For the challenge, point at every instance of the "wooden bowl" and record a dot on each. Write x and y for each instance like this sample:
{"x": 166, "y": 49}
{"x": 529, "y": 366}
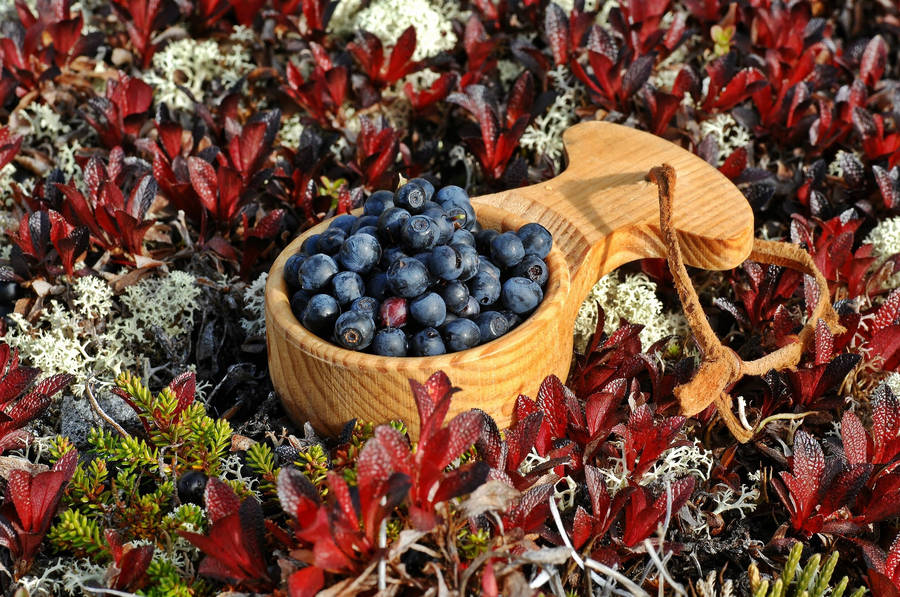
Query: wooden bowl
{"x": 602, "y": 213}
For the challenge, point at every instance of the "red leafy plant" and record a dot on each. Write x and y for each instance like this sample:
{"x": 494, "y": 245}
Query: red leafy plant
{"x": 496, "y": 136}
{"x": 119, "y": 116}
{"x": 235, "y": 543}
{"x": 128, "y": 569}
{"x": 29, "y": 507}
{"x": 323, "y": 93}
{"x": 369, "y": 53}
{"x": 117, "y": 222}
{"x": 39, "y": 234}
{"x": 141, "y": 18}
{"x": 18, "y": 408}
{"x": 376, "y": 151}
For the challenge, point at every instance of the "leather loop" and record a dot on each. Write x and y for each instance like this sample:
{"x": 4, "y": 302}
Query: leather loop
{"x": 721, "y": 367}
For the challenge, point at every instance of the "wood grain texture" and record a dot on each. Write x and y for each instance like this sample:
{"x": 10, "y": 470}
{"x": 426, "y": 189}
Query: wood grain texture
{"x": 602, "y": 213}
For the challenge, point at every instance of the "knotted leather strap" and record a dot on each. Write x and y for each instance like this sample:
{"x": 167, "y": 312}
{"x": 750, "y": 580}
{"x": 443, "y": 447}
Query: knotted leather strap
{"x": 721, "y": 367}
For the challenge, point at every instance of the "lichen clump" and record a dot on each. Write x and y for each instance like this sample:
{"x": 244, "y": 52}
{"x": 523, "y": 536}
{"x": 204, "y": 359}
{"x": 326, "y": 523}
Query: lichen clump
{"x": 632, "y": 298}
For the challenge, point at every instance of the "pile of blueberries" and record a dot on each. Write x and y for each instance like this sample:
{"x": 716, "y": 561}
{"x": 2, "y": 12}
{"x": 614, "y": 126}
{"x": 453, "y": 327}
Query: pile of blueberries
{"x": 416, "y": 275}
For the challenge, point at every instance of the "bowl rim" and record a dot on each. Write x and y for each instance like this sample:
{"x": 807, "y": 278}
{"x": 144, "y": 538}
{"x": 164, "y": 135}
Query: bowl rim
{"x": 278, "y": 311}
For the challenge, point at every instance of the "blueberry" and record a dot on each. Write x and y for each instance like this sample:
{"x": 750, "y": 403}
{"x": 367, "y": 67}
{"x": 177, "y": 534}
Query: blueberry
{"x": 533, "y": 268}
{"x": 343, "y": 222}
{"x": 292, "y": 271}
{"x": 511, "y": 317}
{"x": 486, "y": 266}
{"x": 462, "y": 236}
{"x": 420, "y": 233}
{"x": 521, "y": 295}
{"x": 445, "y": 227}
{"x": 427, "y": 343}
{"x": 191, "y": 487}
{"x": 390, "y": 342}
{"x": 366, "y": 305}
{"x": 450, "y": 317}
{"x": 507, "y": 249}
{"x": 320, "y": 314}
{"x": 485, "y": 288}
{"x": 536, "y": 239}
{"x": 426, "y": 186}
{"x": 492, "y": 325}
{"x": 378, "y": 202}
{"x": 347, "y": 287}
{"x": 360, "y": 253}
{"x": 377, "y": 285}
{"x": 411, "y": 196}
{"x": 483, "y": 240}
{"x": 469, "y": 259}
{"x": 462, "y": 216}
{"x": 455, "y": 295}
{"x": 451, "y": 193}
{"x": 354, "y": 330}
{"x": 393, "y": 312}
{"x": 299, "y": 301}
{"x": 316, "y": 271}
{"x": 391, "y": 222}
{"x": 445, "y": 262}
{"x": 331, "y": 240}
{"x": 471, "y": 310}
{"x": 424, "y": 256}
{"x": 431, "y": 206}
{"x": 363, "y": 222}
{"x": 391, "y": 254}
{"x": 309, "y": 246}
{"x": 408, "y": 277}
{"x": 370, "y": 230}
{"x": 428, "y": 309}
{"x": 461, "y": 334}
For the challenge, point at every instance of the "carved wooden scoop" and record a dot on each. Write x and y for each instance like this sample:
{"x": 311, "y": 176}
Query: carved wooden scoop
{"x": 602, "y": 213}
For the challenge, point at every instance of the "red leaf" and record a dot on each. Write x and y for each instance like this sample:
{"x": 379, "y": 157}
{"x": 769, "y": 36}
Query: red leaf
{"x": 306, "y": 582}
{"x": 856, "y": 440}
{"x": 204, "y": 181}
{"x": 221, "y": 501}
{"x": 871, "y": 67}
{"x": 298, "y": 496}
{"x": 556, "y": 28}
{"x": 401, "y": 63}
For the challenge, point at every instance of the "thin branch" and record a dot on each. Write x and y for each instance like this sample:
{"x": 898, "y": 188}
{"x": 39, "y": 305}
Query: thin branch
{"x": 101, "y": 413}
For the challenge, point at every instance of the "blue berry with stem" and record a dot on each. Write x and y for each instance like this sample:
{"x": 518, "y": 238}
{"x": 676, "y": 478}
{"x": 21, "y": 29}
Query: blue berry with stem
{"x": 426, "y": 186}
{"x": 471, "y": 310}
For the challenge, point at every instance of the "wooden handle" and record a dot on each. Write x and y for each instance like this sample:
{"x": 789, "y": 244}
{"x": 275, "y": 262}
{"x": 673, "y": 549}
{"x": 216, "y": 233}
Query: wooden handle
{"x": 603, "y": 212}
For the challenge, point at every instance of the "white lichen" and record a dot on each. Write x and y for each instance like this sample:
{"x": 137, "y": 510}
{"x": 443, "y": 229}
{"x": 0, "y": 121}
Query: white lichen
{"x": 194, "y": 65}
{"x": 835, "y": 168}
{"x": 632, "y": 298}
{"x": 290, "y": 132}
{"x": 102, "y": 335}
{"x": 885, "y": 238}
{"x": 679, "y": 461}
{"x": 255, "y": 306}
{"x": 387, "y": 19}
{"x": 727, "y": 132}
{"x": 565, "y": 489}
{"x": 709, "y": 587}
{"x": 544, "y": 135}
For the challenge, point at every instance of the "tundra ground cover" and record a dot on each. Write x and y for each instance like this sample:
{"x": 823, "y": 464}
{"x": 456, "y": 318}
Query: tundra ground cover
{"x": 155, "y": 155}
